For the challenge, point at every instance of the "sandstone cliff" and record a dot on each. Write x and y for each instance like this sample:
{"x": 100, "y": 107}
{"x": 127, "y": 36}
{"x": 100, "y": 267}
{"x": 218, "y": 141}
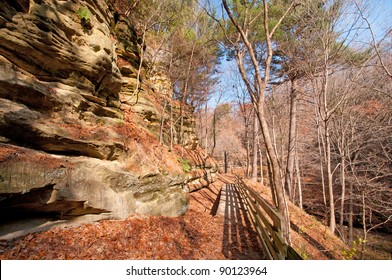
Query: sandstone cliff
{"x": 76, "y": 138}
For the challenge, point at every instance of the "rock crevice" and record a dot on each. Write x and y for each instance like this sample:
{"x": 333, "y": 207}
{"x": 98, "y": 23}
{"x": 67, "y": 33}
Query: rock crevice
{"x": 75, "y": 139}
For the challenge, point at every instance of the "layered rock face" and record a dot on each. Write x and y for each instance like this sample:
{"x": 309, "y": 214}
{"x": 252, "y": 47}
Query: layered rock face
{"x": 76, "y": 137}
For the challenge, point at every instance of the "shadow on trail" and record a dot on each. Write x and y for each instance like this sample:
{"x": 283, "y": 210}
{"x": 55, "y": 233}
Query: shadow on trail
{"x": 240, "y": 240}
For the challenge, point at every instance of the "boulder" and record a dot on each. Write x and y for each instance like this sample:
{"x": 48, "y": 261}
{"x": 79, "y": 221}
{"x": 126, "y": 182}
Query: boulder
{"x": 204, "y": 170}
{"x": 37, "y": 183}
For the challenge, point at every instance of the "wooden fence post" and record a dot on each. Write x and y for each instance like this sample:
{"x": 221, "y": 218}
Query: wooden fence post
{"x": 267, "y": 221}
{"x": 226, "y": 161}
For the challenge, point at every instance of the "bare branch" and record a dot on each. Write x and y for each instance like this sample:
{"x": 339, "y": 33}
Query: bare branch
{"x": 380, "y": 224}
{"x": 375, "y": 44}
{"x": 293, "y": 4}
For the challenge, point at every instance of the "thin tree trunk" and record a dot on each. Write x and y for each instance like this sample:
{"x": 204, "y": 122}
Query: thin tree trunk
{"x": 273, "y": 193}
{"x": 343, "y": 183}
{"x": 288, "y": 183}
{"x": 321, "y": 148}
{"x": 332, "y": 219}
{"x": 140, "y": 64}
{"x": 171, "y": 126}
{"x": 275, "y": 145}
{"x": 206, "y": 127}
{"x": 325, "y": 114}
{"x": 246, "y": 121}
{"x": 213, "y": 133}
{"x": 299, "y": 184}
{"x": 364, "y": 226}
{"x": 247, "y": 171}
{"x": 275, "y": 170}
{"x": 254, "y": 163}
{"x": 162, "y": 122}
{"x": 184, "y": 96}
{"x": 261, "y": 161}
{"x": 257, "y": 94}
{"x": 350, "y": 216}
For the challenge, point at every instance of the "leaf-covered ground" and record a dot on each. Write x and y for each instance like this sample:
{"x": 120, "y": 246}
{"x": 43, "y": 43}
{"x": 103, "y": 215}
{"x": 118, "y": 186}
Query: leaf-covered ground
{"x": 309, "y": 237}
{"x": 196, "y": 235}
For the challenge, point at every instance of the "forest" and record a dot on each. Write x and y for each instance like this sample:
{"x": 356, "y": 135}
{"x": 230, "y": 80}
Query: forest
{"x": 292, "y": 95}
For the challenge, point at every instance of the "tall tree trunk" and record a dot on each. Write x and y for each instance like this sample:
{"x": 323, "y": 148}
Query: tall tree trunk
{"x": 162, "y": 122}
{"x": 332, "y": 219}
{"x": 343, "y": 183}
{"x": 350, "y": 215}
{"x": 325, "y": 115}
{"x": 299, "y": 183}
{"x": 275, "y": 146}
{"x": 321, "y": 148}
{"x": 171, "y": 126}
{"x": 275, "y": 170}
{"x": 213, "y": 133}
{"x": 288, "y": 183}
{"x": 261, "y": 161}
{"x": 254, "y": 136}
{"x": 257, "y": 94}
{"x": 206, "y": 127}
{"x": 328, "y": 162}
{"x": 271, "y": 183}
{"x": 246, "y": 122}
{"x": 184, "y": 96}
{"x": 363, "y": 226}
{"x": 247, "y": 139}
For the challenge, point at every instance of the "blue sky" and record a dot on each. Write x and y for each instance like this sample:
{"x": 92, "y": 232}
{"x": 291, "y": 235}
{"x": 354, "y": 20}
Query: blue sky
{"x": 380, "y": 19}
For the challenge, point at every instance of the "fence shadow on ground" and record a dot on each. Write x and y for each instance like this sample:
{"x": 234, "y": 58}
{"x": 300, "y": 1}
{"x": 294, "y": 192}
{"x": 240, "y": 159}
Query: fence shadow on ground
{"x": 240, "y": 239}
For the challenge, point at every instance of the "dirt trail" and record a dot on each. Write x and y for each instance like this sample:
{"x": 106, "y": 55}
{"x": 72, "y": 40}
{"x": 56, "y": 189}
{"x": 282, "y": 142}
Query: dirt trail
{"x": 240, "y": 240}
{"x": 199, "y": 234}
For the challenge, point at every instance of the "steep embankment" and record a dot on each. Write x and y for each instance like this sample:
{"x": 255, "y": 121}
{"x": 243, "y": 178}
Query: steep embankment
{"x": 310, "y": 238}
{"x": 79, "y": 129}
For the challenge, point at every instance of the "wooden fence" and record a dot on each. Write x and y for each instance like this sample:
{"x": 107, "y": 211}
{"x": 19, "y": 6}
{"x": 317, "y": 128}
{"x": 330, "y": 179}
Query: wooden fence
{"x": 267, "y": 221}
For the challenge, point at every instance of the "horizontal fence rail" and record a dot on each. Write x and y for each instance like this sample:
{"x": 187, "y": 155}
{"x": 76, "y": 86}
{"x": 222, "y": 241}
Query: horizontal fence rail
{"x": 267, "y": 221}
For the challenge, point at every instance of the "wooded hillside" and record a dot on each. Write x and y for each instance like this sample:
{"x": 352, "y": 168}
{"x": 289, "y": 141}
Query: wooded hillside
{"x": 110, "y": 108}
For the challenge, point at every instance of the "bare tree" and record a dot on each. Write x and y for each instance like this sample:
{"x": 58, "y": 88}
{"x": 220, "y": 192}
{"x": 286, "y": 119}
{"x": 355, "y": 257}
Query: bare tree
{"x": 245, "y": 111}
{"x": 257, "y": 82}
